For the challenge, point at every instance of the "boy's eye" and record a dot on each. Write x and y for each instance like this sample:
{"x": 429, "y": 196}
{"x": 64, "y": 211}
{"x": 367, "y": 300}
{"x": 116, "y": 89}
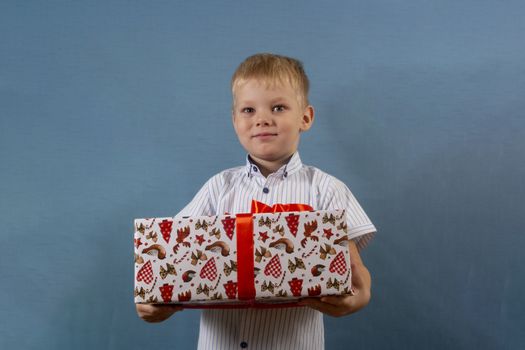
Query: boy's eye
{"x": 248, "y": 110}
{"x": 278, "y": 108}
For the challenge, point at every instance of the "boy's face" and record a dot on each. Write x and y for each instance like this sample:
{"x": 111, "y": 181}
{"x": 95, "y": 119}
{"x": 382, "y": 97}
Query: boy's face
{"x": 268, "y": 121}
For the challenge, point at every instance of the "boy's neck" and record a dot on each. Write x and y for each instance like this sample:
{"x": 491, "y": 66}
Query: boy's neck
{"x": 269, "y": 167}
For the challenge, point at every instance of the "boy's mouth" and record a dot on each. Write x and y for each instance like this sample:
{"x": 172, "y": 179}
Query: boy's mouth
{"x": 264, "y": 135}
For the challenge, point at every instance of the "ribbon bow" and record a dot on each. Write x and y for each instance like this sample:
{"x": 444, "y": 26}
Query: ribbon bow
{"x": 169, "y": 270}
{"x": 335, "y": 284}
{"x": 265, "y": 222}
{"x": 229, "y": 268}
{"x": 203, "y": 225}
{"x": 203, "y": 289}
{"x": 330, "y": 219}
{"x": 152, "y": 235}
{"x": 199, "y": 255}
{"x": 269, "y": 287}
{"x": 216, "y": 232}
{"x": 299, "y": 264}
{"x": 140, "y": 292}
{"x": 259, "y": 207}
{"x": 262, "y": 253}
{"x": 327, "y": 250}
{"x": 141, "y": 228}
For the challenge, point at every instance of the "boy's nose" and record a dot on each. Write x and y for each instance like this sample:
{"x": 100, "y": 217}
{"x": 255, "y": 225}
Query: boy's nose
{"x": 262, "y": 123}
{"x": 262, "y": 119}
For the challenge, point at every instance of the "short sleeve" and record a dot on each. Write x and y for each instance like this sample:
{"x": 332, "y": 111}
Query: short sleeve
{"x": 204, "y": 202}
{"x": 338, "y": 196}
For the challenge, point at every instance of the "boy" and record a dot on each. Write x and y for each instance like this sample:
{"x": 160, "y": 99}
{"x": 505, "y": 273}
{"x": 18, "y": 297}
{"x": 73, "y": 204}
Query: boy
{"x": 270, "y": 111}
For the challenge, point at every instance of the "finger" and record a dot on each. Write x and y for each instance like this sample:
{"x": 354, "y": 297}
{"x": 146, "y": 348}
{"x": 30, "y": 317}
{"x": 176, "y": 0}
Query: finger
{"x": 310, "y": 302}
{"x": 156, "y": 312}
{"x": 318, "y": 305}
{"x": 170, "y": 307}
{"x": 336, "y": 300}
{"x": 165, "y": 305}
{"x": 325, "y": 308}
{"x": 305, "y": 300}
{"x": 158, "y": 317}
{"x": 144, "y": 309}
{"x": 357, "y": 278}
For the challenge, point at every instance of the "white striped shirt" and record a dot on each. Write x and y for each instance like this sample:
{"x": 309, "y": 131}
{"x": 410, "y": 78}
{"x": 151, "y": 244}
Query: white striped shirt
{"x": 232, "y": 191}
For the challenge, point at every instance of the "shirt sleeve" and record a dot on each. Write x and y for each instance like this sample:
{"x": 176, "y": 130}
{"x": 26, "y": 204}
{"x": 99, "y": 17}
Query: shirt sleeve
{"x": 339, "y": 196}
{"x": 204, "y": 202}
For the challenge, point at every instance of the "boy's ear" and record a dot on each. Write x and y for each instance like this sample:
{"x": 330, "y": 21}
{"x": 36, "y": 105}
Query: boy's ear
{"x": 308, "y": 118}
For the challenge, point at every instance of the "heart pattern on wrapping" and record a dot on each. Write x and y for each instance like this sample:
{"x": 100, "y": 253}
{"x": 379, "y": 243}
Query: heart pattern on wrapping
{"x": 209, "y": 270}
{"x": 145, "y": 273}
{"x": 338, "y": 264}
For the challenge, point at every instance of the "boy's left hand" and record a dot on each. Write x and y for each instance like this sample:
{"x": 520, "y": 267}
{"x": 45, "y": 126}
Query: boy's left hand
{"x": 343, "y": 305}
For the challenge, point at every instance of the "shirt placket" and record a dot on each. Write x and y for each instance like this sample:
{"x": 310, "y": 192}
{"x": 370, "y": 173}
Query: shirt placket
{"x": 242, "y": 340}
{"x": 266, "y": 188}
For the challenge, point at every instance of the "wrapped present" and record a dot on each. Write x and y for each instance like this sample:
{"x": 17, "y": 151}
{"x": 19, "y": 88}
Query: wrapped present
{"x": 272, "y": 256}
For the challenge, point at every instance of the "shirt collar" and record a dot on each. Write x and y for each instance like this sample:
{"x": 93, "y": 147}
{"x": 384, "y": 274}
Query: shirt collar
{"x": 293, "y": 165}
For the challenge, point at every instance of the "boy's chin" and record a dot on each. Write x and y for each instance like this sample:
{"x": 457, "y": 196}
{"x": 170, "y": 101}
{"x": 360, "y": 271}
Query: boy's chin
{"x": 271, "y": 158}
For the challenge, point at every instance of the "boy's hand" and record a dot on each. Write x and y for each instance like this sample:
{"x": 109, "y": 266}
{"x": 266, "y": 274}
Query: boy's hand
{"x": 343, "y": 305}
{"x": 156, "y": 313}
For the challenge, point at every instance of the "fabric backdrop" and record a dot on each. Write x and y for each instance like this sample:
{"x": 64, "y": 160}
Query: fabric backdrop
{"x": 113, "y": 110}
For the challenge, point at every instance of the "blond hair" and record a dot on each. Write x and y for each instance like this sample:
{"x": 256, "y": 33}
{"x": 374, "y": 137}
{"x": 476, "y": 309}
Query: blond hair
{"x": 273, "y": 69}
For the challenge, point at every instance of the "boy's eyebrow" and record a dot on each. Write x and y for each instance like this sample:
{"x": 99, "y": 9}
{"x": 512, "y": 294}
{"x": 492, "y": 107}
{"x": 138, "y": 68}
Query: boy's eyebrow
{"x": 278, "y": 99}
{"x": 273, "y": 100}
{"x": 244, "y": 102}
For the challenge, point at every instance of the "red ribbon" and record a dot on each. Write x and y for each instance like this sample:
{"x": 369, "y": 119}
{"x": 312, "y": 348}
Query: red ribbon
{"x": 245, "y": 253}
{"x": 258, "y": 207}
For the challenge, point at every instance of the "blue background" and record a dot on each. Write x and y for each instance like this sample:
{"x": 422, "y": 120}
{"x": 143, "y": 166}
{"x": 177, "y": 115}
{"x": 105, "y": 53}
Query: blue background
{"x": 116, "y": 110}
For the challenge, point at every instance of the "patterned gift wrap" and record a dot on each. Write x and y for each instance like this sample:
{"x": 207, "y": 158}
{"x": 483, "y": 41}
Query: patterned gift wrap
{"x": 193, "y": 261}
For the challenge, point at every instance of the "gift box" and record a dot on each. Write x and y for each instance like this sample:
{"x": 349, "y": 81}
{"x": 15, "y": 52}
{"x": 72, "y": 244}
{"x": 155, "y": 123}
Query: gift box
{"x": 272, "y": 256}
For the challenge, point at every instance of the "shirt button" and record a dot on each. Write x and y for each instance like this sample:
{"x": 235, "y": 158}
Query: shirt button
{"x": 266, "y": 190}
{"x": 244, "y": 345}
{"x": 254, "y": 168}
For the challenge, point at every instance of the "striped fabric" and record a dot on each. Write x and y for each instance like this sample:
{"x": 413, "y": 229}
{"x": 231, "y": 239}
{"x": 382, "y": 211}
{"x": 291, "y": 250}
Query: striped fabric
{"x": 232, "y": 191}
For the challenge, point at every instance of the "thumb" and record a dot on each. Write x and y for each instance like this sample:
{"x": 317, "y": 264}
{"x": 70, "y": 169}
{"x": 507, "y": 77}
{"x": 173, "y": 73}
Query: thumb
{"x": 357, "y": 278}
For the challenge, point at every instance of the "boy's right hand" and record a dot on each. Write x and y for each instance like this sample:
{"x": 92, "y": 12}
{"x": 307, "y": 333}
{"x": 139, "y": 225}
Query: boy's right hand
{"x": 156, "y": 313}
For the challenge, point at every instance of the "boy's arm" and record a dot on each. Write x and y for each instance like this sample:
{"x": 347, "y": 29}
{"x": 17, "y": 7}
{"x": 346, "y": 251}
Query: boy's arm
{"x": 343, "y": 305}
{"x": 156, "y": 313}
